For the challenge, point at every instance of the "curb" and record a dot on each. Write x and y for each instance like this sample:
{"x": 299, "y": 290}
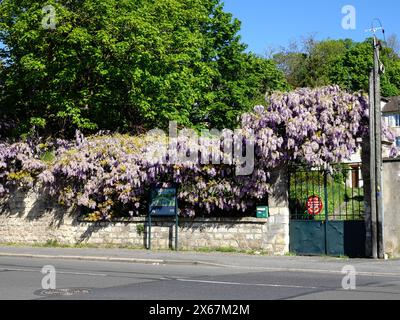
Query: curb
{"x": 109, "y": 259}
{"x": 189, "y": 262}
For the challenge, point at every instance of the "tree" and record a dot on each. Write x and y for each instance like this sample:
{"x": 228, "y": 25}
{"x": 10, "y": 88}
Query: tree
{"x": 307, "y": 64}
{"x": 341, "y": 62}
{"x": 393, "y": 43}
{"x": 351, "y": 71}
{"x": 320, "y": 59}
{"x": 241, "y": 86}
{"x": 292, "y": 62}
{"x": 127, "y": 65}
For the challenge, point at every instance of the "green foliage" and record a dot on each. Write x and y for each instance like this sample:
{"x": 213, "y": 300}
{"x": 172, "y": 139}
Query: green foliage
{"x": 38, "y": 122}
{"x": 127, "y": 65}
{"x": 352, "y": 69}
{"x": 293, "y": 64}
{"x": 19, "y": 176}
{"x": 310, "y": 65}
{"x": 230, "y": 250}
{"x": 140, "y": 229}
{"x": 322, "y": 56}
{"x": 50, "y": 243}
{"x": 47, "y": 156}
{"x": 343, "y": 202}
{"x": 340, "y": 62}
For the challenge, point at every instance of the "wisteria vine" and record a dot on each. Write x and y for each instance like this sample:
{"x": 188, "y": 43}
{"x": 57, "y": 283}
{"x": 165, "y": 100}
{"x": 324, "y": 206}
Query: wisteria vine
{"x": 110, "y": 175}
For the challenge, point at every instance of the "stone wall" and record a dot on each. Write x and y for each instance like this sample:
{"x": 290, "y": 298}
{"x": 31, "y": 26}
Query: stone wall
{"x": 33, "y": 218}
{"x": 391, "y": 207}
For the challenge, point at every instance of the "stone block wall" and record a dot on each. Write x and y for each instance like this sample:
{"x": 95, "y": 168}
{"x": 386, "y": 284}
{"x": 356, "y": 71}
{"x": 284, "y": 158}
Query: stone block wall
{"x": 34, "y": 218}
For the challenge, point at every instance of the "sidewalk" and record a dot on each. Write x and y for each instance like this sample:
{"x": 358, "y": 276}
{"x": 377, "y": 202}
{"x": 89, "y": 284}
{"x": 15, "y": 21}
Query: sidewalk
{"x": 232, "y": 260}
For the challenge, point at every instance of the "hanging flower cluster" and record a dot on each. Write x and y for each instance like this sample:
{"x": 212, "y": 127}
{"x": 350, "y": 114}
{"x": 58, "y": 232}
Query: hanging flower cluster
{"x": 316, "y": 127}
{"x": 111, "y": 174}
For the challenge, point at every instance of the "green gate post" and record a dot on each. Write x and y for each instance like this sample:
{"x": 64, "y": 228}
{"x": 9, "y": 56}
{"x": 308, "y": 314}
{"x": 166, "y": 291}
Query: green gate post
{"x": 326, "y": 210}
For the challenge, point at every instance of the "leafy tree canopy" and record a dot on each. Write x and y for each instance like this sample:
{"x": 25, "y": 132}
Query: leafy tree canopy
{"x": 341, "y": 62}
{"x": 127, "y": 65}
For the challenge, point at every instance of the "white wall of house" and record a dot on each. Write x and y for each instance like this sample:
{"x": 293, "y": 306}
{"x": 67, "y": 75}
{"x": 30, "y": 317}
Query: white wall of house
{"x": 393, "y": 121}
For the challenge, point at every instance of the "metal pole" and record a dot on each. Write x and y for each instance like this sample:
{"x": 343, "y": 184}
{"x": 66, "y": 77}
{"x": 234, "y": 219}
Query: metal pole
{"x": 149, "y": 246}
{"x": 326, "y": 210}
{"x": 176, "y": 232}
{"x": 176, "y": 223}
{"x": 378, "y": 150}
{"x": 373, "y": 215}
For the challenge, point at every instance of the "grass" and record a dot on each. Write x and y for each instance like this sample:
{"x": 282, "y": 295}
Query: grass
{"x": 56, "y": 244}
{"x": 291, "y": 254}
{"x": 230, "y": 250}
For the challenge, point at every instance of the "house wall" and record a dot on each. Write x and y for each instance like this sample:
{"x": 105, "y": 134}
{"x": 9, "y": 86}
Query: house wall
{"x": 389, "y": 119}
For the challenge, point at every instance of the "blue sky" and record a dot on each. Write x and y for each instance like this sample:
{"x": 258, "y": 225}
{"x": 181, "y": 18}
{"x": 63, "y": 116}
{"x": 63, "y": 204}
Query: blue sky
{"x": 267, "y": 23}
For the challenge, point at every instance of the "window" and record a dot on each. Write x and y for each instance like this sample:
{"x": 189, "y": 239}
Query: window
{"x": 393, "y": 120}
{"x": 397, "y": 120}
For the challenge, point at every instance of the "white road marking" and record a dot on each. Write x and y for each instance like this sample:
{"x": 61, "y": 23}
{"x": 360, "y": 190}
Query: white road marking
{"x": 248, "y": 284}
{"x": 59, "y": 272}
{"x": 212, "y": 264}
{"x": 277, "y": 269}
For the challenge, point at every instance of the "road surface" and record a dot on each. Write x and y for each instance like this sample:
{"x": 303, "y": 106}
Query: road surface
{"x": 269, "y": 279}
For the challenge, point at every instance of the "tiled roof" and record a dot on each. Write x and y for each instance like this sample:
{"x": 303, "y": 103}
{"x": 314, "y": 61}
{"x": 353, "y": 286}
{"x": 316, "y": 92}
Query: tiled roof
{"x": 393, "y": 106}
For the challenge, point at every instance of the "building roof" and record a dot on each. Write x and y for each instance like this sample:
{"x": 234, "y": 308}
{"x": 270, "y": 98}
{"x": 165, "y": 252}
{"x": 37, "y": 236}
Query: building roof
{"x": 393, "y": 106}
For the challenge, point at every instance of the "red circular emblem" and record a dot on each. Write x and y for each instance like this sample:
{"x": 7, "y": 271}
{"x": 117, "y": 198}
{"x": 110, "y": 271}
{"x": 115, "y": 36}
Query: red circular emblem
{"x": 314, "y": 205}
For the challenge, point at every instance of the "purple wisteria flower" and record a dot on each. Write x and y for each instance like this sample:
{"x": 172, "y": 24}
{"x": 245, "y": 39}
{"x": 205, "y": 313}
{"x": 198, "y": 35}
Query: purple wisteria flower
{"x": 112, "y": 174}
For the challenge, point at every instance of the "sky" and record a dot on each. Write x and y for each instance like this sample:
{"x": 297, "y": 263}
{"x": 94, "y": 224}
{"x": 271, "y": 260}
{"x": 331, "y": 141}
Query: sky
{"x": 270, "y": 24}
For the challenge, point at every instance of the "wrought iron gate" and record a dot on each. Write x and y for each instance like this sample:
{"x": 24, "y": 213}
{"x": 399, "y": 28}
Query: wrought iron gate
{"x": 337, "y": 228}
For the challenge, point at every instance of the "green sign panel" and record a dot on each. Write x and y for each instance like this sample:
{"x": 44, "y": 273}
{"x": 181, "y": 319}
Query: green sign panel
{"x": 163, "y": 202}
{"x": 262, "y": 212}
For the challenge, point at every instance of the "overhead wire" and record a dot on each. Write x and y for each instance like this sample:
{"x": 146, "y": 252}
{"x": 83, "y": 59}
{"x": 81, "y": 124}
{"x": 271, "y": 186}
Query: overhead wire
{"x": 374, "y": 30}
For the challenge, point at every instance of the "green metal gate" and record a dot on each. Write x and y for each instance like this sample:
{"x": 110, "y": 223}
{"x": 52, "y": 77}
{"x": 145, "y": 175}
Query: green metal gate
{"x": 337, "y": 227}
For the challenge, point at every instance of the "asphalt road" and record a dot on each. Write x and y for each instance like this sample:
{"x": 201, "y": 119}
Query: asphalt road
{"x": 21, "y": 278}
